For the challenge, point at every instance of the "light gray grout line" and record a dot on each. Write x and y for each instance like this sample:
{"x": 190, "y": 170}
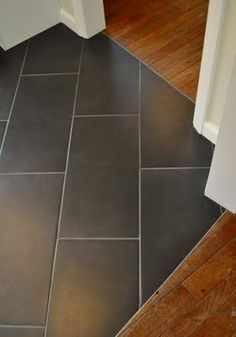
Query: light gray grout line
{"x": 96, "y": 239}
{"x": 139, "y": 188}
{"x": 149, "y": 67}
{"x": 49, "y": 74}
{"x": 3, "y": 120}
{"x": 14, "y": 98}
{"x": 63, "y": 193}
{"x": 175, "y": 168}
{"x": 30, "y": 173}
{"x": 22, "y": 326}
{"x": 106, "y": 115}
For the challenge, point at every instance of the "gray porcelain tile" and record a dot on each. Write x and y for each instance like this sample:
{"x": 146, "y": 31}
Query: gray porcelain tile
{"x": 29, "y": 208}
{"x": 101, "y": 196}
{"x": 55, "y": 50}
{"x": 21, "y": 332}
{"x": 175, "y": 216}
{"x": 2, "y": 129}
{"x": 95, "y": 288}
{"x": 10, "y": 64}
{"x": 109, "y": 79}
{"x": 168, "y": 136}
{"x": 38, "y": 132}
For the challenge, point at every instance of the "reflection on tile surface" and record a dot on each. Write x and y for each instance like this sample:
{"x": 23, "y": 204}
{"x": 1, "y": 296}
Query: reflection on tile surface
{"x": 29, "y": 207}
{"x": 92, "y": 283}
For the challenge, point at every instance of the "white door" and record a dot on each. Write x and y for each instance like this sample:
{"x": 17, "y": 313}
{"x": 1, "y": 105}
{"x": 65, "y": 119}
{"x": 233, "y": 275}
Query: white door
{"x": 22, "y": 19}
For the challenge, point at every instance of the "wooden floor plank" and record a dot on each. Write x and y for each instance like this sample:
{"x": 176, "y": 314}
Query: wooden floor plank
{"x": 219, "y": 266}
{"x": 179, "y": 67}
{"x": 221, "y": 324}
{"x": 156, "y": 30}
{"x": 145, "y": 31}
{"x": 162, "y": 314}
{"x": 205, "y": 308}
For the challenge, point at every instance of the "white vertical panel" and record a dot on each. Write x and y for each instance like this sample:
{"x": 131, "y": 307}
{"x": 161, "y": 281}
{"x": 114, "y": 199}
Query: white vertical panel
{"x": 21, "y": 19}
{"x": 221, "y": 184}
{"x": 212, "y": 40}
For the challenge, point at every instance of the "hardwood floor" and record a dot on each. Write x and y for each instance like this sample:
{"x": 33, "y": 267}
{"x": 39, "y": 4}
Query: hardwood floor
{"x": 167, "y": 35}
{"x": 199, "y": 299}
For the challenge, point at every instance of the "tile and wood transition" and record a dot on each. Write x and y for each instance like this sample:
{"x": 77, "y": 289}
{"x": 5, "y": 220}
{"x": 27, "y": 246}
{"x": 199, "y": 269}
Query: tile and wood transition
{"x": 199, "y": 298}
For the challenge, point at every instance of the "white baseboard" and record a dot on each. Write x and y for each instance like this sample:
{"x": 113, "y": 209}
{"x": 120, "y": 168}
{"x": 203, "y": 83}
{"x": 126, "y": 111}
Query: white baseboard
{"x": 210, "y": 131}
{"x": 69, "y": 21}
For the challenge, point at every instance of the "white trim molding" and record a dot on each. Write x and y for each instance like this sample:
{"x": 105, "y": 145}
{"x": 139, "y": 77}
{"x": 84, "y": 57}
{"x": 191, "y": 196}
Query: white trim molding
{"x": 212, "y": 40}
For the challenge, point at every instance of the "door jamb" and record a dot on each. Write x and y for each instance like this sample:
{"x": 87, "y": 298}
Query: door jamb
{"x": 211, "y": 48}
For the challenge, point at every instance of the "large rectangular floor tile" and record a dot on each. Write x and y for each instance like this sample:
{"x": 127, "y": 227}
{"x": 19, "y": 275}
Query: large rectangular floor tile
{"x": 29, "y": 207}
{"x": 21, "y": 332}
{"x": 109, "y": 79}
{"x": 101, "y": 196}
{"x": 168, "y": 136}
{"x": 55, "y": 50}
{"x": 10, "y": 65}
{"x": 38, "y": 132}
{"x": 175, "y": 216}
{"x": 95, "y": 289}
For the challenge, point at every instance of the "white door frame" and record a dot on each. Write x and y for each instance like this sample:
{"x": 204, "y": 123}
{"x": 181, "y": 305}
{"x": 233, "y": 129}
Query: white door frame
{"x": 212, "y": 40}
{"x": 221, "y": 184}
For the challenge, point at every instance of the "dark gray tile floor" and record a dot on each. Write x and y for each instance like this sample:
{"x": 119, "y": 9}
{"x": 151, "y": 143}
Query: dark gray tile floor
{"x": 53, "y": 51}
{"x": 102, "y": 179}
{"x": 110, "y": 75}
{"x": 37, "y": 136}
{"x": 101, "y": 185}
{"x": 11, "y": 331}
{"x": 173, "y": 223}
{"x": 29, "y": 206}
{"x": 168, "y": 138}
{"x": 2, "y": 130}
{"x": 10, "y": 65}
{"x": 92, "y": 282}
